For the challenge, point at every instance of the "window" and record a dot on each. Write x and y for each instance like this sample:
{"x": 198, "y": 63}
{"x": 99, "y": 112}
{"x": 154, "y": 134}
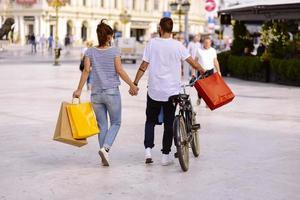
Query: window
{"x": 156, "y": 5}
{"x": 116, "y": 3}
{"x": 84, "y": 2}
{"x": 102, "y": 3}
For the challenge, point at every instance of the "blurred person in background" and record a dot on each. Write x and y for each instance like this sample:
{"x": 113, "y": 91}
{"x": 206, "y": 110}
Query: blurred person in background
{"x": 193, "y": 46}
{"x": 88, "y": 44}
{"x": 50, "y": 43}
{"x": 43, "y": 42}
{"x": 33, "y": 43}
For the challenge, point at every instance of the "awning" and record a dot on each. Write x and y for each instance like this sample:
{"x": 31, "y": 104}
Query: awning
{"x": 265, "y": 10}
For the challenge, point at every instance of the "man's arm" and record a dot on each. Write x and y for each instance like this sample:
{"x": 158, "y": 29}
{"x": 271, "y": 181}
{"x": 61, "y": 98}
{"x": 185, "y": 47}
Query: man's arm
{"x": 140, "y": 72}
{"x": 217, "y": 66}
{"x": 195, "y": 64}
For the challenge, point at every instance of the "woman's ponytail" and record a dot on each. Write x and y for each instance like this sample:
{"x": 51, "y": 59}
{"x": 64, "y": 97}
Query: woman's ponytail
{"x": 103, "y": 31}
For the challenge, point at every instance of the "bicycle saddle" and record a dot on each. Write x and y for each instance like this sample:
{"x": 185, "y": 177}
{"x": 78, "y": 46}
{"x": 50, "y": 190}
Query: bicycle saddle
{"x": 179, "y": 97}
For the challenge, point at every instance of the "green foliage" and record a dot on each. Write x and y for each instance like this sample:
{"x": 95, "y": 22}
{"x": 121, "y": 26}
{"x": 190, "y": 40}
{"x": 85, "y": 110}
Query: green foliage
{"x": 275, "y": 35}
{"x": 223, "y": 60}
{"x": 244, "y": 67}
{"x": 286, "y": 70}
{"x": 242, "y": 38}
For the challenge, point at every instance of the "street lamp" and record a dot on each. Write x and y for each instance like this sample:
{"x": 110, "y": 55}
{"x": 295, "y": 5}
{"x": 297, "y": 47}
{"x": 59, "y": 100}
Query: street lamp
{"x": 57, "y": 4}
{"x": 181, "y": 8}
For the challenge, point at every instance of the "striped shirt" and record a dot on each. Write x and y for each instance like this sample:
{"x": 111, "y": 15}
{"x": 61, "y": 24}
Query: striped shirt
{"x": 103, "y": 68}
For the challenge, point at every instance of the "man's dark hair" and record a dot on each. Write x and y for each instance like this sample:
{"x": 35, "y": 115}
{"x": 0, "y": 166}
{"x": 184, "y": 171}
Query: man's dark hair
{"x": 166, "y": 24}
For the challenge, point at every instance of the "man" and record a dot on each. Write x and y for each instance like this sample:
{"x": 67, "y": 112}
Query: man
{"x": 163, "y": 56}
{"x": 207, "y": 58}
{"x": 194, "y": 45}
{"x": 33, "y": 43}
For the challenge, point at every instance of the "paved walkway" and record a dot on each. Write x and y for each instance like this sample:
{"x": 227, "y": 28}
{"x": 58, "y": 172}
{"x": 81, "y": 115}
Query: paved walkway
{"x": 15, "y": 54}
{"x": 249, "y": 149}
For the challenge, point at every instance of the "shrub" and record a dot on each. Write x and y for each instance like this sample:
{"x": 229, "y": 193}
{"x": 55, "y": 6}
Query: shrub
{"x": 286, "y": 71}
{"x": 223, "y": 61}
{"x": 249, "y": 68}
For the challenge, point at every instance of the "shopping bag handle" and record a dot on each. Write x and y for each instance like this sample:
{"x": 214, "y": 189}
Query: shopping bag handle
{"x": 76, "y": 98}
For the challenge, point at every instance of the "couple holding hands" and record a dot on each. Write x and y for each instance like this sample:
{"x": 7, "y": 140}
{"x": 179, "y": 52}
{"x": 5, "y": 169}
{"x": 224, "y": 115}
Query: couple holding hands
{"x": 163, "y": 57}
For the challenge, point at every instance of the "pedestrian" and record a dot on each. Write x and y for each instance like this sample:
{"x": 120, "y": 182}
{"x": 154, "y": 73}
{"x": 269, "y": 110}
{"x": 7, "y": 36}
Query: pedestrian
{"x": 67, "y": 43}
{"x": 207, "y": 58}
{"x": 193, "y": 46}
{"x": 88, "y": 44}
{"x": 37, "y": 41}
{"x": 50, "y": 43}
{"x": 106, "y": 66}
{"x": 43, "y": 42}
{"x": 33, "y": 43}
{"x": 163, "y": 56}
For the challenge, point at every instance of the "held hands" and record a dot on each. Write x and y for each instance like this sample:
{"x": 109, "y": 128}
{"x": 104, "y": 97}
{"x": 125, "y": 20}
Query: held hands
{"x": 133, "y": 91}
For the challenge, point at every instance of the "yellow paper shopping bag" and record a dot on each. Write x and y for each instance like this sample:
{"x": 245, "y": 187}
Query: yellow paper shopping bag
{"x": 63, "y": 131}
{"x": 82, "y": 120}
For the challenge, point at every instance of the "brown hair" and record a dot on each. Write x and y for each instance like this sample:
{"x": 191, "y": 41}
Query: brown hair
{"x": 166, "y": 24}
{"x": 103, "y": 31}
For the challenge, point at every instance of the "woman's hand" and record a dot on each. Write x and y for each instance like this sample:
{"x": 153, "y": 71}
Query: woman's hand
{"x": 77, "y": 93}
{"x": 133, "y": 90}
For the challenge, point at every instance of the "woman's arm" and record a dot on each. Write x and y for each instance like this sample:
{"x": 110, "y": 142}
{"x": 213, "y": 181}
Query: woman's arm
{"x": 124, "y": 76}
{"x": 84, "y": 76}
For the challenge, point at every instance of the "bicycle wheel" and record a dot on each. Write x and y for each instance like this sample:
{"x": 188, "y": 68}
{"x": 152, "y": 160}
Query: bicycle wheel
{"x": 195, "y": 143}
{"x": 182, "y": 146}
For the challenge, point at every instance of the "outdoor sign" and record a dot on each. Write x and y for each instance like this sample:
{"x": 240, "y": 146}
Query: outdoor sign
{"x": 26, "y": 2}
{"x": 211, "y": 9}
{"x": 166, "y": 14}
{"x": 210, "y": 5}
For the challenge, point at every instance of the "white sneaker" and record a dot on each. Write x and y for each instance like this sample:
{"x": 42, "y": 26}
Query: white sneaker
{"x": 148, "y": 156}
{"x": 104, "y": 157}
{"x": 166, "y": 159}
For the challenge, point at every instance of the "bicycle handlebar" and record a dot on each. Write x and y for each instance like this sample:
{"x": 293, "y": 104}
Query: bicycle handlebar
{"x": 193, "y": 81}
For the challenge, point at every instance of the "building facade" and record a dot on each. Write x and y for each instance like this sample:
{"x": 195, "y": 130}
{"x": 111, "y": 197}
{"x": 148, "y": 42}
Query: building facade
{"x": 79, "y": 18}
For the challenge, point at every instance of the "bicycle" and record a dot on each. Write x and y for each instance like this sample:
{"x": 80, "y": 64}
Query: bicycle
{"x": 185, "y": 128}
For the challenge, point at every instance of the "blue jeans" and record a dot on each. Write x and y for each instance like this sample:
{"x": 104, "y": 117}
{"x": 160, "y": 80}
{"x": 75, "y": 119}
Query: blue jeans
{"x": 105, "y": 102}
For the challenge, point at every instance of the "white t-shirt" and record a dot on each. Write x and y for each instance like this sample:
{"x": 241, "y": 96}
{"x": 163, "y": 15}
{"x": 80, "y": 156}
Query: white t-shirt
{"x": 206, "y": 57}
{"x": 164, "y": 57}
{"x": 193, "y": 47}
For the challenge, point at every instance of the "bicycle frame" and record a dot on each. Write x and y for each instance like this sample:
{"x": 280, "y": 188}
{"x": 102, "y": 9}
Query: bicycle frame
{"x": 184, "y": 108}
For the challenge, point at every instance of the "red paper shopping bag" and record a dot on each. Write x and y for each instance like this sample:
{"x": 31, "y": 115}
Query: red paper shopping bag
{"x": 214, "y": 91}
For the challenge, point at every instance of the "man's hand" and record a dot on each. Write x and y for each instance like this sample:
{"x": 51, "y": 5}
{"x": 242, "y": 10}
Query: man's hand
{"x": 202, "y": 71}
{"x": 77, "y": 93}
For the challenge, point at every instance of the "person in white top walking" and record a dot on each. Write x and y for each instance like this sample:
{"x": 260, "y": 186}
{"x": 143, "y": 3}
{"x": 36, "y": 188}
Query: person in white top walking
{"x": 163, "y": 57}
{"x": 194, "y": 45}
{"x": 207, "y": 58}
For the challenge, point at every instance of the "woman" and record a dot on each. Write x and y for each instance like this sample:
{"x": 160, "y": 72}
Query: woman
{"x": 106, "y": 69}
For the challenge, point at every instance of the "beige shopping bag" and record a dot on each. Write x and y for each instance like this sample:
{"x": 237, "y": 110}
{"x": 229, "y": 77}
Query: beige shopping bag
{"x": 63, "y": 132}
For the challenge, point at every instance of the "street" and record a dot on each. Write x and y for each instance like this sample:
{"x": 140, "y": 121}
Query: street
{"x": 250, "y": 148}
